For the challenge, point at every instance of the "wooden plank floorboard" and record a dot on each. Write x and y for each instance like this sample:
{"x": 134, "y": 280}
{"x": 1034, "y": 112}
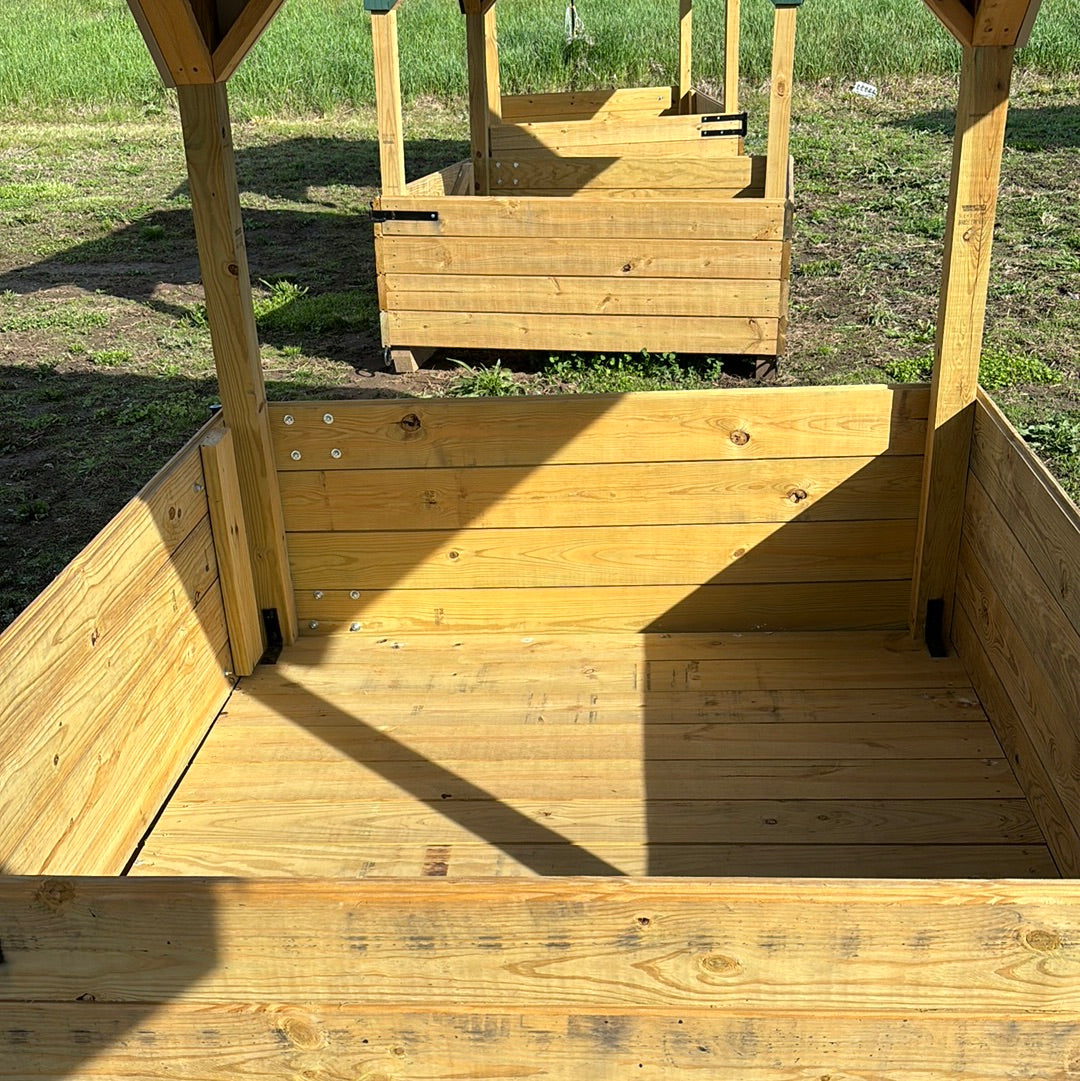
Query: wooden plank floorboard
{"x": 699, "y": 755}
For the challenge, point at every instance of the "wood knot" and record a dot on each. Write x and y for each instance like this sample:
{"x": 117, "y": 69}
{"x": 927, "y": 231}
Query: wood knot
{"x": 54, "y": 893}
{"x": 410, "y": 423}
{"x": 797, "y": 495}
{"x": 1042, "y": 941}
{"x": 740, "y": 438}
{"x": 716, "y": 964}
{"x": 453, "y": 554}
{"x": 302, "y": 1034}
{"x": 627, "y": 267}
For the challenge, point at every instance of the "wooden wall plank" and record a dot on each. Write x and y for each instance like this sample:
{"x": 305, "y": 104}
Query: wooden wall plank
{"x": 961, "y": 950}
{"x": 676, "y": 609}
{"x": 780, "y": 91}
{"x": 509, "y": 330}
{"x": 603, "y": 104}
{"x": 573, "y": 137}
{"x": 654, "y": 297}
{"x": 617, "y": 258}
{"x": 292, "y": 1038}
{"x": 634, "y": 555}
{"x": 807, "y": 422}
{"x": 456, "y": 179}
{"x": 215, "y": 202}
{"x": 973, "y": 188}
{"x": 780, "y": 490}
{"x": 500, "y": 215}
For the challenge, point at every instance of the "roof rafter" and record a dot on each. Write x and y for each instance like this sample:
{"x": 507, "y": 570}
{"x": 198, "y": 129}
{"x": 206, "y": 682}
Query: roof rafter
{"x": 956, "y": 17}
{"x": 175, "y": 39}
{"x": 252, "y": 19}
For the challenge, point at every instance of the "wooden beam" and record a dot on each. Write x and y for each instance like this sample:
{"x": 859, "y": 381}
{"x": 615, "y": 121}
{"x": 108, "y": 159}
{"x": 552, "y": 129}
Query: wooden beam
{"x": 980, "y": 134}
{"x": 232, "y": 551}
{"x": 485, "y": 108}
{"x": 215, "y": 204}
{"x": 384, "y": 44}
{"x": 783, "y": 66}
{"x": 249, "y": 24}
{"x": 1028, "y": 23}
{"x": 686, "y": 86}
{"x": 731, "y": 56}
{"x": 999, "y": 22}
{"x": 956, "y": 17}
{"x": 175, "y": 39}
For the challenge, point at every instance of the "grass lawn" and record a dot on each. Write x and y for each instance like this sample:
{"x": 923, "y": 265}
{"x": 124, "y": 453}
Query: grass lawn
{"x": 105, "y": 364}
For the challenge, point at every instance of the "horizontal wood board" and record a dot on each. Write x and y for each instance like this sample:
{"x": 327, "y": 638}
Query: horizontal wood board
{"x": 111, "y": 677}
{"x": 1018, "y": 616}
{"x": 645, "y": 754}
{"x": 766, "y": 517}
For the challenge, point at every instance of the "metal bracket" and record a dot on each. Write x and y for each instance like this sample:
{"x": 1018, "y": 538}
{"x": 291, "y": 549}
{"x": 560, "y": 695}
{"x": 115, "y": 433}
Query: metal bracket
{"x": 935, "y": 627}
{"x": 274, "y": 640}
{"x": 379, "y": 216}
{"x": 738, "y": 119}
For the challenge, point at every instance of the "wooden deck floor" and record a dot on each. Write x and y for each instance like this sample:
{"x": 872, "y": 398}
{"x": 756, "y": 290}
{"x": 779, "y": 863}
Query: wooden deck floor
{"x": 842, "y": 754}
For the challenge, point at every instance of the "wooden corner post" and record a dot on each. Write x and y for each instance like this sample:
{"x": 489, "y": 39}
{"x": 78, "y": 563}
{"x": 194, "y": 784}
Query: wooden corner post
{"x": 485, "y": 95}
{"x": 686, "y": 53}
{"x": 780, "y": 86}
{"x": 732, "y": 22}
{"x": 384, "y": 49}
{"x": 215, "y": 204}
{"x": 980, "y": 134}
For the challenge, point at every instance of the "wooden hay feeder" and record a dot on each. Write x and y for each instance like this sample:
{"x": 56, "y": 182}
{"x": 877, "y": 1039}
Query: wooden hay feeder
{"x": 603, "y": 220}
{"x": 593, "y": 737}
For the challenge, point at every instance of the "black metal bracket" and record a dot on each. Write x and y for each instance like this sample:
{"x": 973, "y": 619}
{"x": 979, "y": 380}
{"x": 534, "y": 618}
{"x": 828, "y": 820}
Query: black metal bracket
{"x": 935, "y": 627}
{"x": 274, "y": 640}
{"x": 739, "y": 119}
{"x": 379, "y": 216}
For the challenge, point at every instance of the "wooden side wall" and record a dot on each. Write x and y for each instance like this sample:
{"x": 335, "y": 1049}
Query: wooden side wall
{"x": 110, "y": 678}
{"x": 1017, "y": 621}
{"x": 715, "y": 510}
{"x": 557, "y": 980}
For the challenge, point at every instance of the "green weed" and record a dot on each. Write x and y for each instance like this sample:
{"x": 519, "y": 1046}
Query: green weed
{"x": 620, "y": 373}
{"x": 999, "y": 369}
{"x": 481, "y": 382}
{"x": 908, "y": 369}
{"x": 110, "y": 358}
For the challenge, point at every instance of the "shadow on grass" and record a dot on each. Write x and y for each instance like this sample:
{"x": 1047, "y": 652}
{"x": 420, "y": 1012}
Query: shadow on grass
{"x": 1051, "y": 127}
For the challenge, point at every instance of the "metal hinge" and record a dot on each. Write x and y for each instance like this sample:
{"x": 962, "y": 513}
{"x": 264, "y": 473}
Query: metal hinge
{"x": 378, "y": 216}
{"x": 738, "y": 119}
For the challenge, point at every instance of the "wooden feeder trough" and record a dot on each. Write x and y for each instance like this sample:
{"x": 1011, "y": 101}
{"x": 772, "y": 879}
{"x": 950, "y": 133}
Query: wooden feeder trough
{"x": 603, "y": 220}
{"x": 585, "y": 737}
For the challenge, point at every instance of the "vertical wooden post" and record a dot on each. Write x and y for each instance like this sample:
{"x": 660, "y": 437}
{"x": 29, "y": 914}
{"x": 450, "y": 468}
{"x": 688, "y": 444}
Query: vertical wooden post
{"x": 231, "y": 549}
{"x": 485, "y": 100}
{"x": 384, "y": 47}
{"x": 686, "y": 52}
{"x": 731, "y": 56}
{"x": 783, "y": 69}
{"x": 977, "y": 145}
{"x": 215, "y": 204}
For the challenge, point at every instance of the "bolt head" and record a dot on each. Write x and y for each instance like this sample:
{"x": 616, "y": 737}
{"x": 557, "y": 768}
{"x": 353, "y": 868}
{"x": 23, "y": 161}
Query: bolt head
{"x": 336, "y": 452}
{"x": 328, "y": 418}
{"x": 289, "y": 418}
{"x": 295, "y": 455}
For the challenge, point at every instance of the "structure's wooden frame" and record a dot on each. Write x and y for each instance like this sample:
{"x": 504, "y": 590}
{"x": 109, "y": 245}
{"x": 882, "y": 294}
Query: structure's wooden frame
{"x": 112, "y": 678}
{"x": 602, "y": 153}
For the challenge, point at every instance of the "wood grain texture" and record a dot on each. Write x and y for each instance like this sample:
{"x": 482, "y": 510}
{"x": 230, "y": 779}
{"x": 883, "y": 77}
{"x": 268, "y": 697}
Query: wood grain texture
{"x": 604, "y": 104}
{"x": 384, "y": 45}
{"x": 773, "y": 490}
{"x": 215, "y": 202}
{"x": 780, "y": 91}
{"x": 652, "y": 427}
{"x": 173, "y": 35}
{"x": 973, "y": 188}
{"x": 732, "y": 13}
{"x": 686, "y": 53}
{"x": 964, "y": 950}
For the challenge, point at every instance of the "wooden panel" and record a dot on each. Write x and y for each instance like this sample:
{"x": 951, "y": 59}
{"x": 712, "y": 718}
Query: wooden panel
{"x": 811, "y": 606}
{"x": 603, "y": 555}
{"x": 623, "y": 103}
{"x": 826, "y": 489}
{"x": 653, "y": 297}
{"x": 286, "y": 1040}
{"x": 961, "y": 950}
{"x": 659, "y": 334}
{"x": 502, "y": 215}
{"x": 616, "y": 258}
{"x": 726, "y": 176}
{"x": 698, "y": 425}
{"x": 575, "y": 136}
{"x": 455, "y": 179}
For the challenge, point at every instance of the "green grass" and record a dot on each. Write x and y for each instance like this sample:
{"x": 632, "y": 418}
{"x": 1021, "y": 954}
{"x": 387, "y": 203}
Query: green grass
{"x": 316, "y": 55}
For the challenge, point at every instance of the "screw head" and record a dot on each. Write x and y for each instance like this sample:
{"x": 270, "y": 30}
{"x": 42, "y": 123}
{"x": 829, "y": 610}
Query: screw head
{"x": 335, "y": 453}
{"x": 295, "y": 455}
{"x": 354, "y": 594}
{"x": 328, "y": 418}
{"x": 354, "y": 627}
{"x": 289, "y": 418}
{"x": 313, "y": 624}
{"x": 318, "y": 594}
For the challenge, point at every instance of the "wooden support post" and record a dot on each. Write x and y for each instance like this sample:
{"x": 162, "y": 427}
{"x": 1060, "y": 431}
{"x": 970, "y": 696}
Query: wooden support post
{"x": 384, "y": 47}
{"x": 783, "y": 68}
{"x": 215, "y": 204}
{"x": 485, "y": 98}
{"x": 980, "y": 135}
{"x": 231, "y": 548}
{"x": 686, "y": 86}
{"x": 731, "y": 56}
